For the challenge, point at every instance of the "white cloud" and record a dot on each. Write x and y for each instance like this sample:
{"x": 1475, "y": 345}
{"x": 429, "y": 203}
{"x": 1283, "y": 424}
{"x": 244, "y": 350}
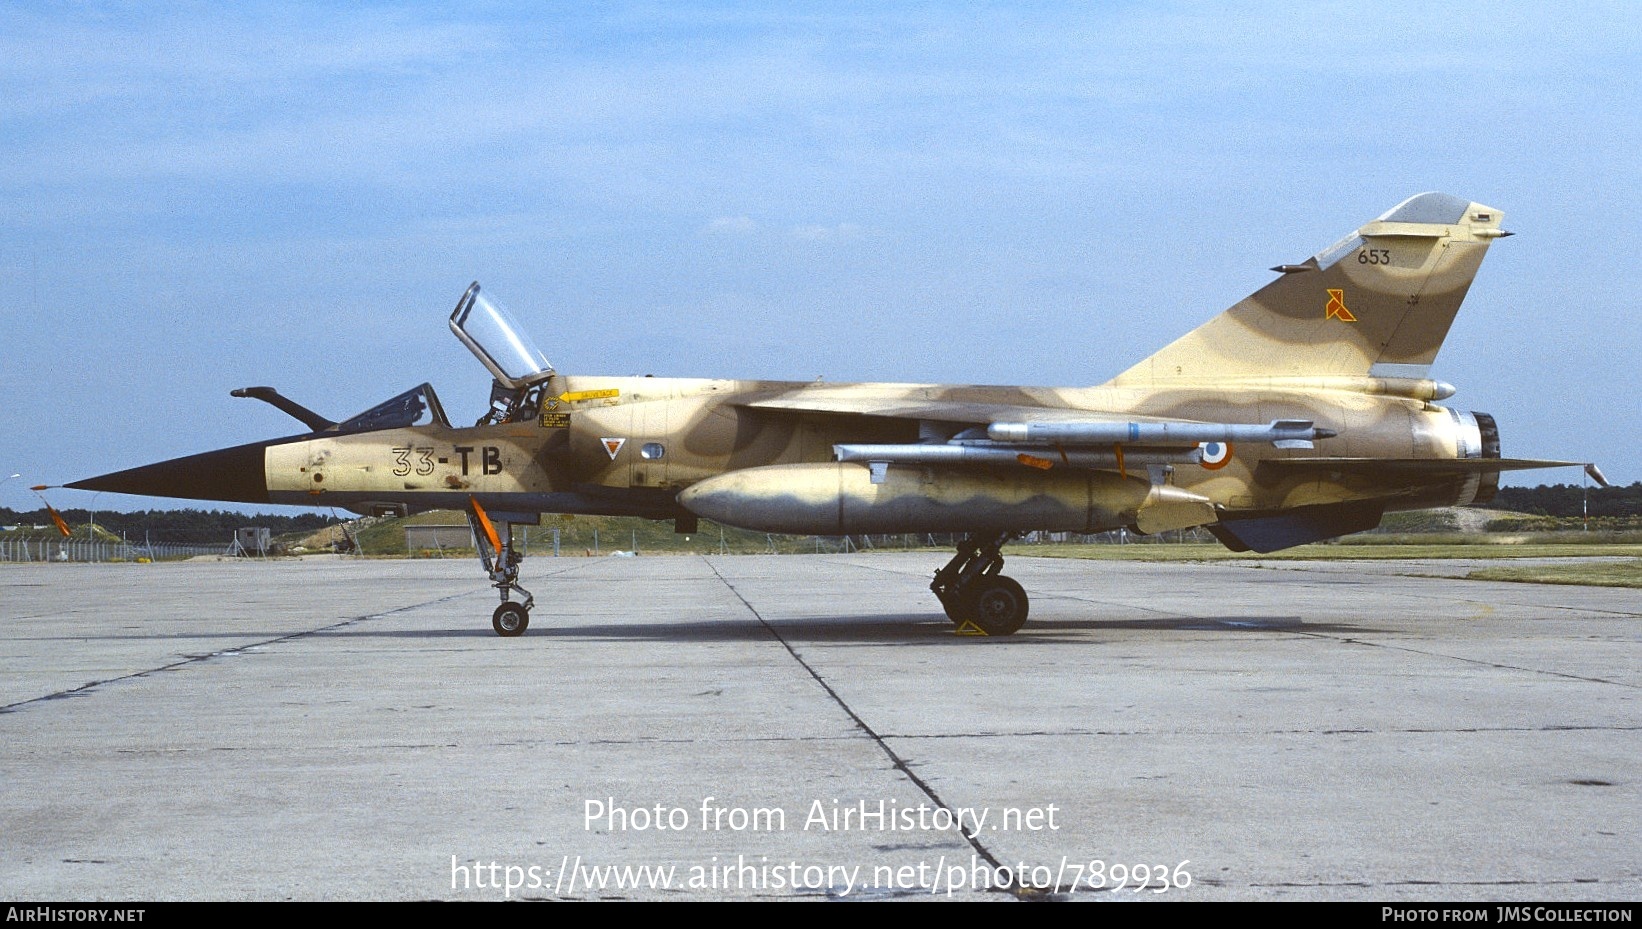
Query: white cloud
{"x": 732, "y": 225}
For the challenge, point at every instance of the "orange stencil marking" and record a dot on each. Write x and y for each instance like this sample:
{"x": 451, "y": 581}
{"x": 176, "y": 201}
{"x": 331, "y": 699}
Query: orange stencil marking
{"x": 484, "y": 523}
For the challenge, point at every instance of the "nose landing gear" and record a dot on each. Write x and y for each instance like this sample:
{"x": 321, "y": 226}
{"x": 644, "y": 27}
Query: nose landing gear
{"x": 501, "y": 561}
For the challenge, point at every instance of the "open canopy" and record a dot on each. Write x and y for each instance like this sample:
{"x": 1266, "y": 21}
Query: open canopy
{"x": 497, "y": 340}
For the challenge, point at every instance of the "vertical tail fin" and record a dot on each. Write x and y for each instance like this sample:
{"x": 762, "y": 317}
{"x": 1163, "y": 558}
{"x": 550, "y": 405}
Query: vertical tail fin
{"x": 1380, "y": 301}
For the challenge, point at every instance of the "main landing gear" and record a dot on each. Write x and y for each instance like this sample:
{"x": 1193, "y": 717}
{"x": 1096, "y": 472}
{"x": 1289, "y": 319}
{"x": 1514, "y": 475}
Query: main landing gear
{"x": 501, "y": 561}
{"x": 972, "y": 590}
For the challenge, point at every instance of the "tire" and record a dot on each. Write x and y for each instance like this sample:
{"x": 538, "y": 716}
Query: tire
{"x": 510, "y": 619}
{"x": 998, "y": 605}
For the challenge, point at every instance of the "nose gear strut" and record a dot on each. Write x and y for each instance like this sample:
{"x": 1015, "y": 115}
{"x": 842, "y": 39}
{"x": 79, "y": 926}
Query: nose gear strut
{"x": 501, "y": 561}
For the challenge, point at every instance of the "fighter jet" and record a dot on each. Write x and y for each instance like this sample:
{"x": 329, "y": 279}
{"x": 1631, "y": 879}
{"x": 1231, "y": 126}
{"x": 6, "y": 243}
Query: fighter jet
{"x": 1304, "y": 412}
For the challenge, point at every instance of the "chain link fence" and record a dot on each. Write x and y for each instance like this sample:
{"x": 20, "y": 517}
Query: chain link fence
{"x": 46, "y": 548}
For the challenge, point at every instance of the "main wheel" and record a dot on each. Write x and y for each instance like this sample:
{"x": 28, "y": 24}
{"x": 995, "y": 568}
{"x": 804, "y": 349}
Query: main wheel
{"x": 997, "y": 604}
{"x": 510, "y": 619}
{"x": 954, "y": 607}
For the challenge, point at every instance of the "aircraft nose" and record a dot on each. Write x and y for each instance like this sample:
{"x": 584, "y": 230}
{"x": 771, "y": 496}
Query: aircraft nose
{"x": 235, "y": 475}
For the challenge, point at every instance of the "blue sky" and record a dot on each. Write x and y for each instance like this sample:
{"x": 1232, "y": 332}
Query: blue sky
{"x": 204, "y": 197}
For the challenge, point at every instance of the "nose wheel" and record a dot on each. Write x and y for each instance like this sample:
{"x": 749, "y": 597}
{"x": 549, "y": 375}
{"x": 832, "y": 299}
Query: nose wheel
{"x": 510, "y": 619}
{"x": 975, "y": 596}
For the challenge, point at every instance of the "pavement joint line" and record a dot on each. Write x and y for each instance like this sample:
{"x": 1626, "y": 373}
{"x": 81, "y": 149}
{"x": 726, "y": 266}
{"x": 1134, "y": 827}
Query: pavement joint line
{"x": 1625, "y": 614}
{"x": 1152, "y": 733}
{"x": 1352, "y": 640}
{"x": 1348, "y": 639}
{"x": 1039, "y": 733}
{"x": 90, "y": 686}
{"x": 897, "y": 761}
{"x": 1545, "y": 782}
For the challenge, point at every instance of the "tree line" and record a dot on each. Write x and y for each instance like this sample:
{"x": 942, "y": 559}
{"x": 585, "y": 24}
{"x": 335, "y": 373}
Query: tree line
{"x": 1569, "y": 500}
{"x": 172, "y": 525}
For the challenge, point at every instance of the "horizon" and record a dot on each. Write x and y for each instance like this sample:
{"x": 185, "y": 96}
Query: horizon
{"x": 295, "y": 195}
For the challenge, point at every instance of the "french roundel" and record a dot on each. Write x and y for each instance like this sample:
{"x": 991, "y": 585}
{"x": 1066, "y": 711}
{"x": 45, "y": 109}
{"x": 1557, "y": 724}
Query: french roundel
{"x": 1216, "y": 455}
